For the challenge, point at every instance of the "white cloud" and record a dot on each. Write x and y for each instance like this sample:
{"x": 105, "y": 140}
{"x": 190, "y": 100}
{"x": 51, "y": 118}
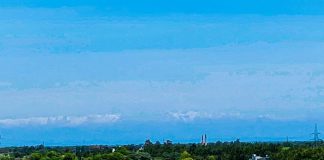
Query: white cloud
{"x": 189, "y": 115}
{"x": 61, "y": 120}
{"x": 146, "y": 92}
{"x": 193, "y": 115}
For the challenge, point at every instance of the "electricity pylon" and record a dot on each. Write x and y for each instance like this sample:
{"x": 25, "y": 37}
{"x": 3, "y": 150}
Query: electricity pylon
{"x": 316, "y": 135}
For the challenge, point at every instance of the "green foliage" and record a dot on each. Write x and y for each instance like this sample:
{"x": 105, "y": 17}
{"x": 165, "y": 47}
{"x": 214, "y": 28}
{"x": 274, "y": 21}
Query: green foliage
{"x": 185, "y": 155}
{"x": 5, "y": 157}
{"x": 69, "y": 156}
{"x": 140, "y": 156}
{"x": 122, "y": 150}
{"x": 35, "y": 156}
{"x": 110, "y": 156}
{"x": 213, "y": 151}
{"x": 211, "y": 158}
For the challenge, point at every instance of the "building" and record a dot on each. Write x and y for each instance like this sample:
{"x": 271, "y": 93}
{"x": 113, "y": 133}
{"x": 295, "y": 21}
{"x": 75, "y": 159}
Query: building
{"x": 168, "y": 142}
{"x": 203, "y": 140}
{"x": 148, "y": 142}
{"x": 255, "y": 157}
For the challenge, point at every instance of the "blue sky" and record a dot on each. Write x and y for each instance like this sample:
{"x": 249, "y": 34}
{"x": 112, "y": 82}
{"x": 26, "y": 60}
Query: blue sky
{"x": 91, "y": 69}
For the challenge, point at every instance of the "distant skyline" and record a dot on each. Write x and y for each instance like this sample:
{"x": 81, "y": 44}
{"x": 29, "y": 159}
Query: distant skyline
{"x": 103, "y": 70}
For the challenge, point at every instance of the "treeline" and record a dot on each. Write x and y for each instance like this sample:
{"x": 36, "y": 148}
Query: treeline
{"x": 235, "y": 150}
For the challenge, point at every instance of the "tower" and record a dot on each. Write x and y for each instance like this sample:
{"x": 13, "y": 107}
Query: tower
{"x": 203, "y": 140}
{"x": 316, "y": 135}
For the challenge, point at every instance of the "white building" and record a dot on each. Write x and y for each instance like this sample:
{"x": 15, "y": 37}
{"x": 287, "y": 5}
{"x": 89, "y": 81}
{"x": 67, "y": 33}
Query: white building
{"x": 255, "y": 157}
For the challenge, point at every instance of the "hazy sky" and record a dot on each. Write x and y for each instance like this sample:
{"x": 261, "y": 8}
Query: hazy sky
{"x": 197, "y": 64}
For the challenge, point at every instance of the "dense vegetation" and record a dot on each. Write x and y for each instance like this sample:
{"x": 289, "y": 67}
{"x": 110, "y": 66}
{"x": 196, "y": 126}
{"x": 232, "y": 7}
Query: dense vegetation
{"x": 213, "y": 151}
